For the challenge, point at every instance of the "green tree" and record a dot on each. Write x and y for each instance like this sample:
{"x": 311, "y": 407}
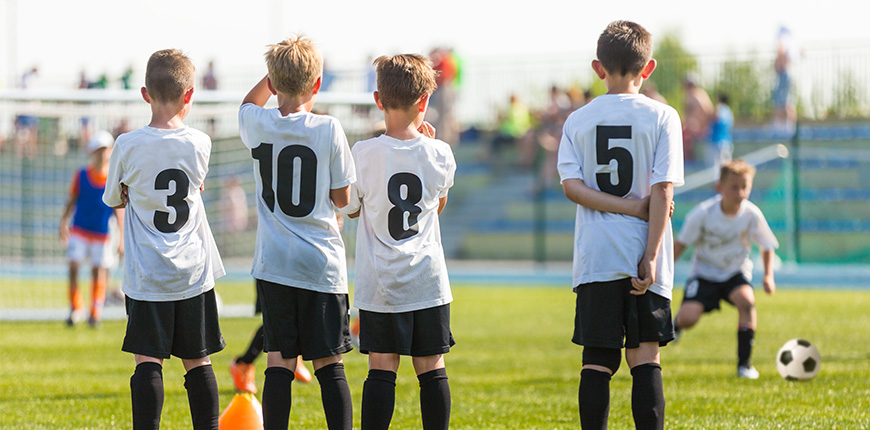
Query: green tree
{"x": 674, "y": 61}
{"x": 741, "y": 82}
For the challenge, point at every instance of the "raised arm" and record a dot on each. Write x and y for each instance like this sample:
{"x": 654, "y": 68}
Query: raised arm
{"x": 260, "y": 94}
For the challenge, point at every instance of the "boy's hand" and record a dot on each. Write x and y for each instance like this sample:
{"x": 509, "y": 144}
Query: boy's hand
{"x": 769, "y": 284}
{"x": 121, "y": 248}
{"x": 125, "y": 197}
{"x": 646, "y": 270}
{"x": 427, "y": 129}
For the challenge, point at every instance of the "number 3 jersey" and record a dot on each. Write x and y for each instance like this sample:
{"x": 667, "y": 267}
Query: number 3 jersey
{"x": 400, "y": 263}
{"x": 621, "y": 144}
{"x": 170, "y": 253}
{"x": 298, "y": 159}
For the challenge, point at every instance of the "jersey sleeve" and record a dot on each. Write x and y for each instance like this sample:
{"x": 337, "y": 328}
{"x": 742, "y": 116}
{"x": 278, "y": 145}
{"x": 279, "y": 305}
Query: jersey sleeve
{"x": 668, "y": 157}
{"x": 450, "y": 173}
{"x": 761, "y": 234}
{"x": 570, "y": 161}
{"x": 247, "y": 116}
{"x": 112, "y": 193}
{"x": 341, "y": 167}
{"x": 691, "y": 231}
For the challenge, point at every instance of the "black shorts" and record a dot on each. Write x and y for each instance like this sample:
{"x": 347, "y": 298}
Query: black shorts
{"x": 710, "y": 293}
{"x": 418, "y": 333}
{"x": 304, "y": 322}
{"x": 187, "y": 329}
{"x": 609, "y": 316}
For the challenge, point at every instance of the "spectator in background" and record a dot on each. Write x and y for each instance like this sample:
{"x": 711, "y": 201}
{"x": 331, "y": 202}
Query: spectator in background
{"x": 513, "y": 129}
{"x": 441, "y": 113}
{"x": 127, "y": 78}
{"x": 549, "y": 133}
{"x": 785, "y": 112}
{"x": 209, "y": 80}
{"x": 698, "y": 113}
{"x": 651, "y": 90}
{"x": 721, "y": 142}
{"x": 27, "y": 125}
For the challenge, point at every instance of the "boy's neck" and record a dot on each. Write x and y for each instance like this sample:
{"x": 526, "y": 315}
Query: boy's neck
{"x": 729, "y": 209}
{"x": 403, "y": 124}
{"x": 288, "y": 105}
{"x": 625, "y": 84}
{"x": 168, "y": 115}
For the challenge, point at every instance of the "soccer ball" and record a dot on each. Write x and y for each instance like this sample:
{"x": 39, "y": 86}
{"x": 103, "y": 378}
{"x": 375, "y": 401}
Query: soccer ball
{"x": 798, "y": 360}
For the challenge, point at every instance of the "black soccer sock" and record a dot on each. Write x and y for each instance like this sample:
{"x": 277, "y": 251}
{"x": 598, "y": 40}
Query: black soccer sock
{"x": 435, "y": 399}
{"x": 255, "y": 349}
{"x": 745, "y": 340}
{"x": 335, "y": 394}
{"x": 202, "y": 395}
{"x": 379, "y": 399}
{"x": 277, "y": 398}
{"x": 647, "y": 397}
{"x": 146, "y": 389}
{"x": 594, "y": 399}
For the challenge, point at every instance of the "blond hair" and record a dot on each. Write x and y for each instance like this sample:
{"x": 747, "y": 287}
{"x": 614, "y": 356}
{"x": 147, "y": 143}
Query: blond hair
{"x": 294, "y": 65}
{"x": 403, "y": 79}
{"x": 624, "y": 48}
{"x": 168, "y": 75}
{"x": 736, "y": 167}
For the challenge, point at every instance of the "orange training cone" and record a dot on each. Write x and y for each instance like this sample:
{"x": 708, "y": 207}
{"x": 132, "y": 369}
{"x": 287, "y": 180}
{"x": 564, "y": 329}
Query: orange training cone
{"x": 243, "y": 413}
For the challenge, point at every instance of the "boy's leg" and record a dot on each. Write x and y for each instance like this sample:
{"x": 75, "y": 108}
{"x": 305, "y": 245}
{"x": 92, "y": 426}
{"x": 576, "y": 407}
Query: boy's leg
{"x": 99, "y": 277}
{"x": 334, "y": 392}
{"x": 647, "y": 392}
{"x": 202, "y": 393}
{"x": 75, "y": 295}
{"x": 434, "y": 391}
{"x": 379, "y": 391}
{"x": 743, "y": 299}
{"x": 599, "y": 364}
{"x": 277, "y": 391}
{"x": 146, "y": 392}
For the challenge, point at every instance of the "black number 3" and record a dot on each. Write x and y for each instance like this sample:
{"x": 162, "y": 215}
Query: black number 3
{"x": 624, "y": 162}
{"x": 175, "y": 200}
{"x": 396, "y": 217}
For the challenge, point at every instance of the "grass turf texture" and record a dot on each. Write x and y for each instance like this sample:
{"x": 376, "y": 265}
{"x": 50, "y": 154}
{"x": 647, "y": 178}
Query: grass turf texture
{"x": 513, "y": 368}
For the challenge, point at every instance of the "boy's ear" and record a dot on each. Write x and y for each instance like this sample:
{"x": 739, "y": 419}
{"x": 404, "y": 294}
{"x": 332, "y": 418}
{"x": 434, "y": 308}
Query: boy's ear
{"x": 648, "y": 69}
{"x": 271, "y": 87}
{"x": 145, "y": 95}
{"x": 423, "y": 103}
{"x": 378, "y": 100}
{"x": 188, "y": 95}
{"x": 318, "y": 84}
{"x": 599, "y": 69}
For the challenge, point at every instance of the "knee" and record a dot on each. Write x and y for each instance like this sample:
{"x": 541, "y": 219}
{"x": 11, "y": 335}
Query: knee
{"x": 609, "y": 358}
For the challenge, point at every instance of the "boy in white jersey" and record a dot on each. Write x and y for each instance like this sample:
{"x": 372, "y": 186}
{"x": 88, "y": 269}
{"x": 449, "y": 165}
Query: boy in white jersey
{"x": 722, "y": 230}
{"x": 401, "y": 285}
{"x": 627, "y": 146}
{"x": 302, "y": 166}
{"x": 171, "y": 259}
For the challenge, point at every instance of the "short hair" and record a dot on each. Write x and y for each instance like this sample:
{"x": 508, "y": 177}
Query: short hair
{"x": 294, "y": 65}
{"x": 168, "y": 74}
{"x": 736, "y": 167}
{"x": 624, "y": 47}
{"x": 403, "y": 79}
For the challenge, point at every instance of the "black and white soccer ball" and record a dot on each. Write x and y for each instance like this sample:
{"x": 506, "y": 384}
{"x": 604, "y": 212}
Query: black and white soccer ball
{"x": 798, "y": 359}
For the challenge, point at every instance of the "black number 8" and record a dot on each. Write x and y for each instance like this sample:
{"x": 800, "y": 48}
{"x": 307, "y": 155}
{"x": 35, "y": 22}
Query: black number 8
{"x": 175, "y": 200}
{"x": 624, "y": 162}
{"x": 396, "y": 217}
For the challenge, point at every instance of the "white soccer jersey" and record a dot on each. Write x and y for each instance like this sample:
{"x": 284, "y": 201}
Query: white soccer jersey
{"x": 170, "y": 253}
{"x": 722, "y": 242}
{"x": 297, "y": 159}
{"x": 621, "y": 144}
{"x": 400, "y": 263}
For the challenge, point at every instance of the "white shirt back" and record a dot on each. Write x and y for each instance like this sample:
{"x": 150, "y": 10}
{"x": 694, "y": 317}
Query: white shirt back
{"x": 298, "y": 159}
{"x": 621, "y": 144}
{"x": 400, "y": 263}
{"x": 723, "y": 242}
{"x": 170, "y": 253}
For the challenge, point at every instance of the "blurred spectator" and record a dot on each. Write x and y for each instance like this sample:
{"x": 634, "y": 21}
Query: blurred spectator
{"x": 785, "y": 112}
{"x": 514, "y": 126}
{"x": 234, "y": 206}
{"x": 209, "y": 80}
{"x": 441, "y": 113}
{"x": 27, "y": 125}
{"x": 651, "y": 90}
{"x": 721, "y": 142}
{"x": 127, "y": 78}
{"x": 697, "y": 114}
{"x": 101, "y": 83}
{"x": 549, "y": 133}
{"x": 83, "y": 80}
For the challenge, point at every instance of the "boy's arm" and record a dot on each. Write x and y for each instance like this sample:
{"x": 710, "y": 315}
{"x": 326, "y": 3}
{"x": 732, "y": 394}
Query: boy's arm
{"x": 661, "y": 196}
{"x": 441, "y": 203}
{"x": 67, "y": 213}
{"x": 260, "y": 94}
{"x": 577, "y": 191}
{"x": 679, "y": 247}
{"x": 767, "y": 256}
{"x": 340, "y": 196}
{"x": 119, "y": 216}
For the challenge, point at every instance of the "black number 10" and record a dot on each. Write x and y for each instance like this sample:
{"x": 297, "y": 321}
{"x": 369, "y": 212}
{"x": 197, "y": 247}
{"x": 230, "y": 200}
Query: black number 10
{"x": 286, "y": 184}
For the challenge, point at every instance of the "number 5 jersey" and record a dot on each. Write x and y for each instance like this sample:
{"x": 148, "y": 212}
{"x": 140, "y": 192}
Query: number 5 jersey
{"x": 621, "y": 144}
{"x": 400, "y": 263}
{"x": 170, "y": 253}
{"x": 297, "y": 159}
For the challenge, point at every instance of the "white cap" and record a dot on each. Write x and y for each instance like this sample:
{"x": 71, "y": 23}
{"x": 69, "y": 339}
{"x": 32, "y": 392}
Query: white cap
{"x": 100, "y": 139}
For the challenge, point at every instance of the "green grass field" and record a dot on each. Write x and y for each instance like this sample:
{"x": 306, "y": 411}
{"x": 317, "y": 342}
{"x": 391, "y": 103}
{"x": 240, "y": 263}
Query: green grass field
{"x": 513, "y": 367}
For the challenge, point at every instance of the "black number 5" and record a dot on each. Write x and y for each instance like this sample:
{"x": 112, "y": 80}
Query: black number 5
{"x": 396, "y": 217}
{"x": 624, "y": 162}
{"x": 175, "y": 200}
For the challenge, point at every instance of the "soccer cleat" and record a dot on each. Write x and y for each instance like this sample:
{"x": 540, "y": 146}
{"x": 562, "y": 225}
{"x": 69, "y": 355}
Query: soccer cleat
{"x": 94, "y": 322}
{"x": 75, "y": 317}
{"x": 302, "y": 374}
{"x": 747, "y": 372}
{"x": 243, "y": 376}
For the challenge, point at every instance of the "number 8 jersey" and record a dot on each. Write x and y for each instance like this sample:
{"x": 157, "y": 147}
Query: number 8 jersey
{"x": 400, "y": 263}
{"x": 621, "y": 144}
{"x": 297, "y": 159}
{"x": 170, "y": 253}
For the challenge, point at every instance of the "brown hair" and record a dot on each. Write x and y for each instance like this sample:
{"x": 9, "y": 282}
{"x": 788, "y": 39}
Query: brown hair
{"x": 736, "y": 167}
{"x": 168, "y": 74}
{"x": 624, "y": 48}
{"x": 294, "y": 65}
{"x": 403, "y": 79}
